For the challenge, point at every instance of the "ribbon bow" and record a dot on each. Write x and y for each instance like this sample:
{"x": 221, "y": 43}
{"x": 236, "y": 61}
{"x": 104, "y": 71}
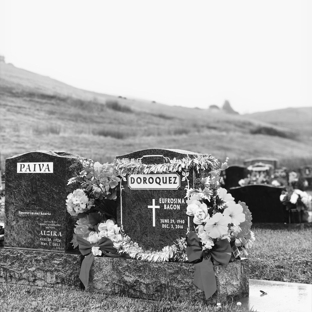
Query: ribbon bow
{"x": 107, "y": 248}
{"x": 204, "y": 277}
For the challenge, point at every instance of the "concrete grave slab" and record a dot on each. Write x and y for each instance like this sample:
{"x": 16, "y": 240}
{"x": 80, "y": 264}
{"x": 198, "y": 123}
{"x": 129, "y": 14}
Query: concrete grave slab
{"x": 278, "y": 296}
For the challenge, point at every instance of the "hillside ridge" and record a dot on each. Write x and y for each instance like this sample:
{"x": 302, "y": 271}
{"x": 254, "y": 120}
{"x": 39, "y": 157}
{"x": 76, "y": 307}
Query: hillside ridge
{"x": 38, "y": 112}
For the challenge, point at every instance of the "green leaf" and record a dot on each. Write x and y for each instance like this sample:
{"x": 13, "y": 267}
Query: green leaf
{"x": 74, "y": 241}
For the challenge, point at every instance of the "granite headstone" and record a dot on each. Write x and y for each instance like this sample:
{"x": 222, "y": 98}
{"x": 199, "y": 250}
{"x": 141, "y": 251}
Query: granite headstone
{"x": 263, "y": 201}
{"x": 152, "y": 210}
{"x": 270, "y": 161}
{"x": 306, "y": 174}
{"x": 35, "y": 201}
{"x": 233, "y": 174}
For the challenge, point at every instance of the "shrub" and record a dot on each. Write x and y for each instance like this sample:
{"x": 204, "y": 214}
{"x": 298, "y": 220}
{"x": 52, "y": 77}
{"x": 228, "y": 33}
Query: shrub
{"x": 163, "y": 116}
{"x": 109, "y": 133}
{"x": 114, "y": 105}
{"x": 272, "y": 132}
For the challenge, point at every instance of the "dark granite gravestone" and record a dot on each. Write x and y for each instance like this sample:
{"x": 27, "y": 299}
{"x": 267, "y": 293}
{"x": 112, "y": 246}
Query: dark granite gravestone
{"x": 263, "y": 201}
{"x": 232, "y": 175}
{"x": 270, "y": 161}
{"x": 306, "y": 174}
{"x": 153, "y": 206}
{"x": 35, "y": 201}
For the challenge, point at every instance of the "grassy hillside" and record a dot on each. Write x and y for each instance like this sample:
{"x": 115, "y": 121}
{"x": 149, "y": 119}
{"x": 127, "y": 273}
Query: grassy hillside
{"x": 39, "y": 113}
{"x": 296, "y": 119}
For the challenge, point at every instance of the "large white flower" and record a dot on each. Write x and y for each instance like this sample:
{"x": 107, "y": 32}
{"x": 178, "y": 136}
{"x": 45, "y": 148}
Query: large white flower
{"x": 217, "y": 226}
{"x": 235, "y": 213}
{"x": 224, "y": 195}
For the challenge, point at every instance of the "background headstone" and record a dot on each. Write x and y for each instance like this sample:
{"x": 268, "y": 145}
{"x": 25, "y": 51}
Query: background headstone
{"x": 232, "y": 175}
{"x": 154, "y": 218}
{"x": 35, "y": 201}
{"x": 263, "y": 201}
{"x": 306, "y": 174}
{"x": 270, "y": 161}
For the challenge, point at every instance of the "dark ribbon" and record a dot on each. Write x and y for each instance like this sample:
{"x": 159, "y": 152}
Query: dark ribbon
{"x": 204, "y": 277}
{"x": 107, "y": 248}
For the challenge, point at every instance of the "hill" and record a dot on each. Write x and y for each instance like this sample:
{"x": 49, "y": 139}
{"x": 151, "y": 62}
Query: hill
{"x": 40, "y": 113}
{"x": 297, "y": 119}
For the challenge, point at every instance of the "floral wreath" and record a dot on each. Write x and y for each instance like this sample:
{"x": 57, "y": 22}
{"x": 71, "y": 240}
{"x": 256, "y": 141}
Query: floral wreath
{"x": 216, "y": 216}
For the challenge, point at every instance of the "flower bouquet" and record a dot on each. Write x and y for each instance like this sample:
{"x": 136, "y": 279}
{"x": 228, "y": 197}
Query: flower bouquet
{"x": 297, "y": 201}
{"x": 221, "y": 230}
{"x": 93, "y": 190}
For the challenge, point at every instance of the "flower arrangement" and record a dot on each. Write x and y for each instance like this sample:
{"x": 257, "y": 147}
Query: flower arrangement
{"x": 217, "y": 216}
{"x": 93, "y": 190}
{"x": 221, "y": 230}
{"x": 296, "y": 199}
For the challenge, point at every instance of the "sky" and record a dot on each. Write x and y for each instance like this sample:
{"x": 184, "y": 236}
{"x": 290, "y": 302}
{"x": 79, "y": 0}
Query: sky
{"x": 255, "y": 54}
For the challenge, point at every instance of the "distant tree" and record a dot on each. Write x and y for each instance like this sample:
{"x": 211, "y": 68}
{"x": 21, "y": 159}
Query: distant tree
{"x": 228, "y": 108}
{"x": 213, "y": 106}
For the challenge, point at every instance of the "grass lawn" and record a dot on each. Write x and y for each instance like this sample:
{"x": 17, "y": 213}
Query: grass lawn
{"x": 280, "y": 255}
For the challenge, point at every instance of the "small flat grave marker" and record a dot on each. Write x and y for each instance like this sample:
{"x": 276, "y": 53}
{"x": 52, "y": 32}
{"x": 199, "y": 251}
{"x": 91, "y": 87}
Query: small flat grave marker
{"x": 153, "y": 206}
{"x": 35, "y": 201}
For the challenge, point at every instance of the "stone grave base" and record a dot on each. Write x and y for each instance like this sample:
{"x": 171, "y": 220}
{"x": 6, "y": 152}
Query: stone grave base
{"x": 39, "y": 268}
{"x": 169, "y": 280}
{"x": 119, "y": 276}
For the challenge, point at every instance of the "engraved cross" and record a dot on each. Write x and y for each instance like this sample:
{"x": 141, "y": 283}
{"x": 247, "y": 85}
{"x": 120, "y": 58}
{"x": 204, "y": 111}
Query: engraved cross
{"x": 153, "y": 206}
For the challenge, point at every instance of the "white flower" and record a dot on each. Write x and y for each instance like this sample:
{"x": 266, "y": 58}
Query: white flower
{"x": 282, "y": 196}
{"x": 77, "y": 202}
{"x": 275, "y": 183}
{"x": 306, "y": 199}
{"x": 224, "y": 195}
{"x": 205, "y": 238}
{"x": 201, "y": 214}
{"x": 294, "y": 197}
{"x": 93, "y": 238}
{"x": 97, "y": 167}
{"x": 96, "y": 251}
{"x": 299, "y": 192}
{"x": 235, "y": 213}
{"x": 192, "y": 207}
{"x": 110, "y": 230}
{"x": 251, "y": 240}
{"x": 217, "y": 226}
{"x": 242, "y": 182}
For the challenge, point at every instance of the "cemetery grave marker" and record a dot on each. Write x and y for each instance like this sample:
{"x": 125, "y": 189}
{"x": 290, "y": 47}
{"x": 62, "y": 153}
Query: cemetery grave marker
{"x": 270, "y": 161}
{"x": 35, "y": 208}
{"x": 233, "y": 174}
{"x": 306, "y": 174}
{"x": 153, "y": 206}
{"x": 263, "y": 202}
